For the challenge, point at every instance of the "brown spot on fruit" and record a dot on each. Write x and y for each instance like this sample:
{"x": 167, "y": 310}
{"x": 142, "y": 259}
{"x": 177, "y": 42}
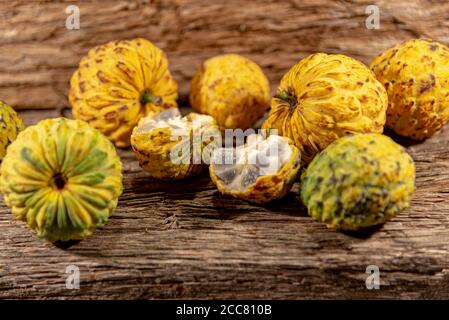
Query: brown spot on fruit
{"x": 119, "y": 50}
{"x": 110, "y": 115}
{"x": 102, "y": 77}
{"x": 276, "y": 179}
{"x": 82, "y": 86}
{"x": 427, "y": 85}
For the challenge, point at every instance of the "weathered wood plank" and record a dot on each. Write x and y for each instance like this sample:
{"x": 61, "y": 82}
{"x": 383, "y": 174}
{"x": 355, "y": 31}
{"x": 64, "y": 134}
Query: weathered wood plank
{"x": 186, "y": 240}
{"x": 38, "y": 54}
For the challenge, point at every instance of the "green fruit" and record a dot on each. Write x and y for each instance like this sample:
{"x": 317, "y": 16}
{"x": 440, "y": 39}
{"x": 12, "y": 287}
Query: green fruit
{"x": 358, "y": 181}
{"x": 62, "y": 177}
{"x": 10, "y": 126}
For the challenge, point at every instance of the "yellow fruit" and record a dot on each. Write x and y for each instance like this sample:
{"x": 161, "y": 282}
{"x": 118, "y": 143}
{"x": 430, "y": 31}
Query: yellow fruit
{"x": 120, "y": 82}
{"x": 10, "y": 126}
{"x": 232, "y": 89}
{"x": 171, "y": 147}
{"x": 262, "y": 170}
{"x": 358, "y": 181}
{"x": 416, "y": 76}
{"x": 62, "y": 177}
{"x": 324, "y": 97}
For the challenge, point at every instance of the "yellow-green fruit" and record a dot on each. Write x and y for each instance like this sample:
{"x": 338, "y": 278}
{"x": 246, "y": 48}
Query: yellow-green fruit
{"x": 171, "y": 147}
{"x": 62, "y": 177}
{"x": 232, "y": 89}
{"x": 120, "y": 82}
{"x": 358, "y": 181}
{"x": 262, "y": 170}
{"x": 416, "y": 76}
{"x": 324, "y": 97}
{"x": 10, "y": 126}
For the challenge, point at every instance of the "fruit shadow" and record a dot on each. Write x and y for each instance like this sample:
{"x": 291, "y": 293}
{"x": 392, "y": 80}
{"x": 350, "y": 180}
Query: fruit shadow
{"x": 144, "y": 185}
{"x": 65, "y": 245}
{"x": 229, "y": 208}
{"x": 403, "y": 141}
{"x": 363, "y": 234}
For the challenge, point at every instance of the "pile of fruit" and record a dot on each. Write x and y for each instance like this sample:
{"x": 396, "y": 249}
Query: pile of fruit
{"x": 63, "y": 177}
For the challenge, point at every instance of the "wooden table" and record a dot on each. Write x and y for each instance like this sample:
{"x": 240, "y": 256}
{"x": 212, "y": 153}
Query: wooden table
{"x": 184, "y": 239}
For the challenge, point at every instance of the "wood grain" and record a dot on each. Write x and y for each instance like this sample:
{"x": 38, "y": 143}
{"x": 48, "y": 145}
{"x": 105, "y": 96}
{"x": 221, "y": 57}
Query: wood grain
{"x": 186, "y": 240}
{"x": 38, "y": 54}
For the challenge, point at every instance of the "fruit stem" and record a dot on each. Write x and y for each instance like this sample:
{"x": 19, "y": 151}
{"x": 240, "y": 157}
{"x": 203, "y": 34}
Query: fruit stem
{"x": 283, "y": 95}
{"x": 149, "y": 98}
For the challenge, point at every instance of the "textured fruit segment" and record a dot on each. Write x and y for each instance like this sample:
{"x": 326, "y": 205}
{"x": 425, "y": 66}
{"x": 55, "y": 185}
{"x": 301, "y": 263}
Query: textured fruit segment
{"x": 172, "y": 147}
{"x": 120, "y": 82}
{"x": 415, "y": 74}
{"x": 62, "y": 177}
{"x": 324, "y": 97}
{"x": 260, "y": 171}
{"x": 358, "y": 181}
{"x": 170, "y": 118}
{"x": 232, "y": 89}
{"x": 10, "y": 126}
{"x": 240, "y": 167}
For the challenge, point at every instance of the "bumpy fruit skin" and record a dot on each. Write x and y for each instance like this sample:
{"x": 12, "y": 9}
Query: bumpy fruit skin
{"x": 10, "y": 126}
{"x": 324, "y": 97}
{"x": 266, "y": 188}
{"x": 153, "y": 148}
{"x": 62, "y": 177}
{"x": 416, "y": 76}
{"x": 358, "y": 181}
{"x": 120, "y": 82}
{"x": 232, "y": 89}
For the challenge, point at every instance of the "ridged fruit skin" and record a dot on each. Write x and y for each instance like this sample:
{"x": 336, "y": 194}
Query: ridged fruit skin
{"x": 153, "y": 148}
{"x": 266, "y": 188}
{"x": 416, "y": 76}
{"x": 232, "y": 89}
{"x": 358, "y": 181}
{"x": 10, "y": 126}
{"x": 323, "y": 97}
{"x": 62, "y": 177}
{"x": 108, "y": 87}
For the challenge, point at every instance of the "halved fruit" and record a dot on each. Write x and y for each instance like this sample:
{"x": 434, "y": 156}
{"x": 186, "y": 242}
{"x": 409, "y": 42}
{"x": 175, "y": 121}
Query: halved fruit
{"x": 172, "y": 147}
{"x": 262, "y": 170}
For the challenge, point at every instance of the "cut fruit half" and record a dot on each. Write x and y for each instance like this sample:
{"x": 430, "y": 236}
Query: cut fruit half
{"x": 169, "y": 146}
{"x": 261, "y": 170}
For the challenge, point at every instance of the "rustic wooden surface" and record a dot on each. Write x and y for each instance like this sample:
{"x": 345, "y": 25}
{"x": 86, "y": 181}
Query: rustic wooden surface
{"x": 186, "y": 240}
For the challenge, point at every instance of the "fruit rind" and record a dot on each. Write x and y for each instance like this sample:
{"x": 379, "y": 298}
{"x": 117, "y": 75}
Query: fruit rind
{"x": 358, "y": 181}
{"x": 10, "y": 126}
{"x": 416, "y": 77}
{"x": 323, "y": 97}
{"x": 232, "y": 89}
{"x": 120, "y": 82}
{"x": 62, "y": 177}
